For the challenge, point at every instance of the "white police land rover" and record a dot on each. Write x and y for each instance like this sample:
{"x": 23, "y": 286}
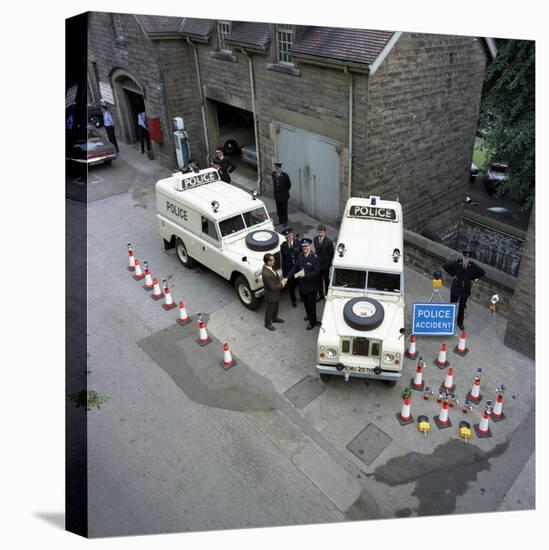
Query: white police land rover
{"x": 362, "y": 330}
{"x": 220, "y": 226}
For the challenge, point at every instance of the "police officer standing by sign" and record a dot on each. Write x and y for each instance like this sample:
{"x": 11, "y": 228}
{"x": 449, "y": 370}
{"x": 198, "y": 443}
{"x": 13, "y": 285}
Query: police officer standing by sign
{"x": 464, "y": 271}
{"x": 307, "y": 271}
{"x": 281, "y": 192}
{"x": 289, "y": 251}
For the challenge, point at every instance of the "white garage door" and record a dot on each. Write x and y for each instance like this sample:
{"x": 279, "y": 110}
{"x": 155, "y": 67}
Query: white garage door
{"x": 312, "y": 161}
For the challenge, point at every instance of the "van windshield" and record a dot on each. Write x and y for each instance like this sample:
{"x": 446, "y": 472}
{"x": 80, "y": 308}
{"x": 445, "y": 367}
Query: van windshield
{"x": 383, "y": 282}
{"x": 231, "y": 225}
{"x": 241, "y": 221}
{"x": 349, "y": 278}
{"x": 255, "y": 216}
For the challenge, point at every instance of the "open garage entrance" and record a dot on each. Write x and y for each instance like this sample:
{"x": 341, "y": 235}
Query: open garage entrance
{"x": 130, "y": 101}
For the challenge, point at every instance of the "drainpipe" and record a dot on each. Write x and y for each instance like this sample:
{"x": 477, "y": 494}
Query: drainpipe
{"x": 202, "y": 105}
{"x": 256, "y": 131}
{"x": 351, "y": 93}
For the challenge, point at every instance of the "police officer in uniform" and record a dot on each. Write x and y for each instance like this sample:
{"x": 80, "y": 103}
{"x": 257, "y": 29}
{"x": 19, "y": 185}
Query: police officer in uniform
{"x": 281, "y": 192}
{"x": 324, "y": 249}
{"x": 289, "y": 251}
{"x": 307, "y": 271}
{"x": 464, "y": 271}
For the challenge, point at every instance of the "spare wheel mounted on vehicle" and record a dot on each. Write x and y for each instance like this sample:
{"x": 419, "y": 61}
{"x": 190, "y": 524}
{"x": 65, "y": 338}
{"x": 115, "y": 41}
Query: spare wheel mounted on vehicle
{"x": 262, "y": 240}
{"x": 363, "y": 313}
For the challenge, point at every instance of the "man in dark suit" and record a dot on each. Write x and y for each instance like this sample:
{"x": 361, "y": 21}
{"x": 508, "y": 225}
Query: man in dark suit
{"x": 273, "y": 285}
{"x": 324, "y": 250}
{"x": 226, "y": 166}
{"x": 307, "y": 271}
{"x": 281, "y": 192}
{"x": 289, "y": 251}
{"x": 192, "y": 166}
{"x": 464, "y": 271}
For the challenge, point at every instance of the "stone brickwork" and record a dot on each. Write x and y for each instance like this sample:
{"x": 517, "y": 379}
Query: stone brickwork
{"x": 423, "y": 105}
{"x": 521, "y": 331}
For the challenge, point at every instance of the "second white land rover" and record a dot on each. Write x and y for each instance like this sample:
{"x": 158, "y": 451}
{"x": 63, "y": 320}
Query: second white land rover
{"x": 224, "y": 228}
{"x": 362, "y": 331}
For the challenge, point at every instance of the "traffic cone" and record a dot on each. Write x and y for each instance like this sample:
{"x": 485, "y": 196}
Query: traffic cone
{"x": 148, "y": 280}
{"x": 497, "y": 413}
{"x": 411, "y": 353}
{"x": 131, "y": 259}
{"x": 483, "y": 429}
{"x": 474, "y": 396}
{"x": 442, "y": 362}
{"x": 228, "y": 360}
{"x": 203, "y": 338}
{"x": 405, "y": 417}
{"x": 417, "y": 382}
{"x": 461, "y": 348}
{"x": 449, "y": 385}
{"x": 168, "y": 300}
{"x": 138, "y": 271}
{"x": 157, "y": 293}
{"x": 442, "y": 421}
{"x": 183, "y": 318}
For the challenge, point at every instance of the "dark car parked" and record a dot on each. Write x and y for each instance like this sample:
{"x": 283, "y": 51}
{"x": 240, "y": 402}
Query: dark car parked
{"x": 495, "y": 175}
{"x": 90, "y": 147}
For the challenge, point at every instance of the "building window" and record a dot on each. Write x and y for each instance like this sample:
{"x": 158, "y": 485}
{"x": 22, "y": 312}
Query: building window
{"x": 284, "y": 41}
{"x": 223, "y": 31}
{"x": 117, "y": 26}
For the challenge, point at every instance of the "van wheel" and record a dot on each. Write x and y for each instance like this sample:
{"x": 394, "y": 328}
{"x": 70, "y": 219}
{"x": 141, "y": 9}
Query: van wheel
{"x": 182, "y": 254}
{"x": 245, "y": 293}
{"x": 391, "y": 383}
{"x": 324, "y": 377}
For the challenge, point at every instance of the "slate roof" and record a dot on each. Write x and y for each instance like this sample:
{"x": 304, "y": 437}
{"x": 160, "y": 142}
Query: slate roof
{"x": 159, "y": 24}
{"x": 254, "y": 34}
{"x": 193, "y": 27}
{"x": 341, "y": 44}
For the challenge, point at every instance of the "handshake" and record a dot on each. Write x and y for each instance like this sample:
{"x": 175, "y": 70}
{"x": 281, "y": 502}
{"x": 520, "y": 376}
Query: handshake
{"x": 299, "y": 274}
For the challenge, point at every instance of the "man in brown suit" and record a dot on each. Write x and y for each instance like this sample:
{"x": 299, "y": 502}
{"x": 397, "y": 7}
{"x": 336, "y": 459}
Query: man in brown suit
{"x": 273, "y": 285}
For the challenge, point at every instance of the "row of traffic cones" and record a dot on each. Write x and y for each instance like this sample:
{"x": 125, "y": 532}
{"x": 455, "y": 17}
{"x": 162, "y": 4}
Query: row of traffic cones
{"x": 441, "y": 361}
{"x": 151, "y": 284}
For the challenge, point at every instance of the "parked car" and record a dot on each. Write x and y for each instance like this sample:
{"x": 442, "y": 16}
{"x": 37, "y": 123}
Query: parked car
{"x": 474, "y": 173}
{"x": 248, "y": 153}
{"x": 91, "y": 147}
{"x": 496, "y": 174}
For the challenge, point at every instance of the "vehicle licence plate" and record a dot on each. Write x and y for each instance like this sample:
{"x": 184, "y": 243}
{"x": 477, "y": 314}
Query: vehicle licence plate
{"x": 358, "y": 369}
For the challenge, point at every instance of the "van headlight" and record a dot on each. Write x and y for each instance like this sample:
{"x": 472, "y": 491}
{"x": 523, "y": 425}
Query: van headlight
{"x": 331, "y": 352}
{"x": 258, "y": 276}
{"x": 389, "y": 357}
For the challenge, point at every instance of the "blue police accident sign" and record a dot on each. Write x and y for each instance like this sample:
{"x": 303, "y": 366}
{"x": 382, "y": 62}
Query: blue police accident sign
{"x": 430, "y": 319}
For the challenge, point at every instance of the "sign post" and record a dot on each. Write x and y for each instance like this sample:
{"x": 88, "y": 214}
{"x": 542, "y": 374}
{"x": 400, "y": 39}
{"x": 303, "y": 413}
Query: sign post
{"x": 430, "y": 319}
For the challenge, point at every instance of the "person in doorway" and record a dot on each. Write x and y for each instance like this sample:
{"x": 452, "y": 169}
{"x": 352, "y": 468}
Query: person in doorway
{"x": 324, "y": 249}
{"x": 464, "y": 271}
{"x": 289, "y": 251}
{"x": 273, "y": 285}
{"x": 281, "y": 192}
{"x": 143, "y": 130}
{"x": 192, "y": 166}
{"x": 226, "y": 166}
{"x": 109, "y": 126}
{"x": 224, "y": 176}
{"x": 307, "y": 271}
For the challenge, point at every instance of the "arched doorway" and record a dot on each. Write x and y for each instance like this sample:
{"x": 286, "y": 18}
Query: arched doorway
{"x": 130, "y": 100}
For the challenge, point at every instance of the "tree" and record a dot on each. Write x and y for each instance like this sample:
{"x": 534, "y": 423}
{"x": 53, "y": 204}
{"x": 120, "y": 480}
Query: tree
{"x": 507, "y": 116}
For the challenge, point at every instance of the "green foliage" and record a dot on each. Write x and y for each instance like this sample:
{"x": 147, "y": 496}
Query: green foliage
{"x": 88, "y": 399}
{"x": 507, "y": 118}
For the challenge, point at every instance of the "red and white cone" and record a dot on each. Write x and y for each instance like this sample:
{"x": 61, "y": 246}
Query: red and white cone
{"x": 131, "y": 259}
{"x": 228, "y": 360}
{"x": 442, "y": 362}
{"x": 483, "y": 429}
{"x": 474, "y": 396}
{"x": 442, "y": 421}
{"x": 461, "y": 348}
{"x": 411, "y": 353}
{"x": 138, "y": 271}
{"x": 203, "y": 337}
{"x": 183, "y": 318}
{"x": 417, "y": 382}
{"x": 168, "y": 300}
{"x": 405, "y": 416}
{"x": 148, "y": 280}
{"x": 157, "y": 293}
{"x": 449, "y": 381}
{"x": 497, "y": 413}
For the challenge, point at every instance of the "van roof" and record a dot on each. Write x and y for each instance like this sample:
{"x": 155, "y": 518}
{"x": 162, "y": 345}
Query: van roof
{"x": 370, "y": 241}
{"x": 231, "y": 200}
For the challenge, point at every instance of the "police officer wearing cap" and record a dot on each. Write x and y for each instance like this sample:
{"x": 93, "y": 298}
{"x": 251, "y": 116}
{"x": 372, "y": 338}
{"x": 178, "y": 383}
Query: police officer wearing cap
{"x": 289, "y": 250}
{"x": 281, "y": 192}
{"x": 464, "y": 271}
{"x": 307, "y": 271}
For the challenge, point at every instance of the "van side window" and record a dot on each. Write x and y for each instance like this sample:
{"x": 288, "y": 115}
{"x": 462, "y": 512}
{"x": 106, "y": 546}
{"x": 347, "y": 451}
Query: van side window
{"x": 208, "y": 227}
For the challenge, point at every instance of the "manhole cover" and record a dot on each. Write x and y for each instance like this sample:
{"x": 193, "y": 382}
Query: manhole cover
{"x": 369, "y": 443}
{"x": 302, "y": 393}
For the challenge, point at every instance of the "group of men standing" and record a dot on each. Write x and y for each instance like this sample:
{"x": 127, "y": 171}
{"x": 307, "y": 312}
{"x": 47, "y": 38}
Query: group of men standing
{"x": 301, "y": 268}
